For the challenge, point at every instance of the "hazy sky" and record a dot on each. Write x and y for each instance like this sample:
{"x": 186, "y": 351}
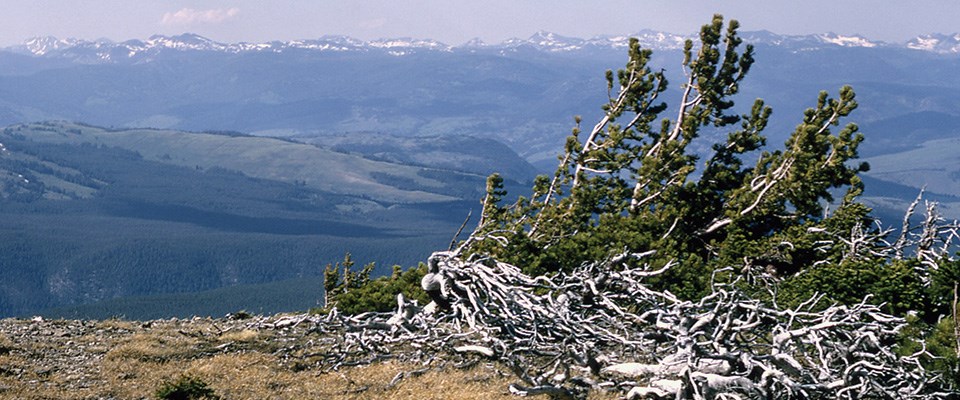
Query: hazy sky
{"x": 456, "y": 21}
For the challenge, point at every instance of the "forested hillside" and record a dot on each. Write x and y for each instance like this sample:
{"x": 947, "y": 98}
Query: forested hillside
{"x": 92, "y": 214}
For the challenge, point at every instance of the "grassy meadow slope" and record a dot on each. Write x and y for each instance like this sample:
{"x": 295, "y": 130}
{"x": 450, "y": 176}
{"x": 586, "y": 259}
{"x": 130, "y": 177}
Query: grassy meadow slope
{"x": 910, "y": 153}
{"x": 91, "y": 214}
{"x": 258, "y": 157}
{"x": 934, "y": 164}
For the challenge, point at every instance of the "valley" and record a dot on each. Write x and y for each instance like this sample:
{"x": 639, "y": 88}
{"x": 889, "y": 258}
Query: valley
{"x": 180, "y": 166}
{"x": 92, "y": 214}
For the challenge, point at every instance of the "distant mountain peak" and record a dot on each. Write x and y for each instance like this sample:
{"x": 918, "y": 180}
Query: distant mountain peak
{"x": 937, "y": 43}
{"x": 46, "y": 44}
{"x": 402, "y": 46}
{"x": 550, "y": 37}
{"x": 104, "y": 50}
{"x": 475, "y": 42}
{"x": 186, "y": 41}
{"x": 553, "y": 42}
{"x": 660, "y": 40}
{"x": 846, "y": 41}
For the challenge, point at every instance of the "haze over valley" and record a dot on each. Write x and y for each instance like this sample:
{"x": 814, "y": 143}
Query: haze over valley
{"x": 179, "y": 165}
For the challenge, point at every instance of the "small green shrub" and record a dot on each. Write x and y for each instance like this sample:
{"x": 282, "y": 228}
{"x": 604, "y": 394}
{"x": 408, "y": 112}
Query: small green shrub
{"x": 186, "y": 387}
{"x": 355, "y": 292}
{"x": 938, "y": 340}
{"x": 942, "y": 344}
{"x": 894, "y": 284}
{"x": 240, "y": 315}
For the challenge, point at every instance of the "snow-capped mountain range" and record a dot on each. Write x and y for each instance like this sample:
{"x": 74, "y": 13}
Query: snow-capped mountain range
{"x": 103, "y": 50}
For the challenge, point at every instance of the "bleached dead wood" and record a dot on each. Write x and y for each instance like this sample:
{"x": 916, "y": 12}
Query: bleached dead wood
{"x": 552, "y": 391}
{"x": 601, "y": 327}
{"x": 482, "y": 350}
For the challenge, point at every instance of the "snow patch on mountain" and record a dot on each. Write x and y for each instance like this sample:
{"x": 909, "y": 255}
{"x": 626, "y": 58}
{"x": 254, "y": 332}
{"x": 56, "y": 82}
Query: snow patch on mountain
{"x": 408, "y": 43}
{"x": 404, "y": 46}
{"x": 187, "y": 41}
{"x": 936, "y": 43}
{"x": 47, "y": 44}
{"x": 106, "y": 51}
{"x": 550, "y": 41}
{"x": 846, "y": 41}
{"x": 661, "y": 40}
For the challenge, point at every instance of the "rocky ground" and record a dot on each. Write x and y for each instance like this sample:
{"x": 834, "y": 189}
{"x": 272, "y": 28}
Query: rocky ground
{"x": 238, "y": 357}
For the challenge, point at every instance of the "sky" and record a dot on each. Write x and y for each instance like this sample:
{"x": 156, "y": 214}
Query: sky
{"x": 456, "y": 21}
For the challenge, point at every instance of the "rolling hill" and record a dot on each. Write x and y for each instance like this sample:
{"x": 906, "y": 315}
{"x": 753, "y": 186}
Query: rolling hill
{"x": 93, "y": 214}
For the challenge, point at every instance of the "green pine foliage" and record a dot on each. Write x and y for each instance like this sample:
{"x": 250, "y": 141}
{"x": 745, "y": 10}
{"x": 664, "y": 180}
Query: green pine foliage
{"x": 354, "y": 292}
{"x": 894, "y": 284}
{"x": 939, "y": 340}
{"x": 631, "y": 188}
{"x": 944, "y": 284}
{"x": 631, "y": 184}
{"x": 942, "y": 344}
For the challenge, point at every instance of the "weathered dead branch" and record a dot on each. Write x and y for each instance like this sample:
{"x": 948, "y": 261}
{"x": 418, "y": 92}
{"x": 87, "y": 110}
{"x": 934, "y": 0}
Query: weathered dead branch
{"x": 600, "y": 327}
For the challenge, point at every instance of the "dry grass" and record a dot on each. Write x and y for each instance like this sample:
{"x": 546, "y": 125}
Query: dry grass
{"x": 243, "y": 336}
{"x": 155, "y": 347}
{"x": 119, "y": 325}
{"x": 261, "y": 376}
{"x": 129, "y": 360}
{"x": 255, "y": 376}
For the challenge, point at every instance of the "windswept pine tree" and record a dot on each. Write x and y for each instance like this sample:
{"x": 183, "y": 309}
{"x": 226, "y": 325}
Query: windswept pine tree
{"x": 752, "y": 273}
{"x": 631, "y": 183}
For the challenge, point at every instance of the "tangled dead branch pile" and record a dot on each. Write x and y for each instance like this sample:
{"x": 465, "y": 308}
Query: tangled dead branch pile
{"x": 600, "y": 327}
{"x": 621, "y": 334}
